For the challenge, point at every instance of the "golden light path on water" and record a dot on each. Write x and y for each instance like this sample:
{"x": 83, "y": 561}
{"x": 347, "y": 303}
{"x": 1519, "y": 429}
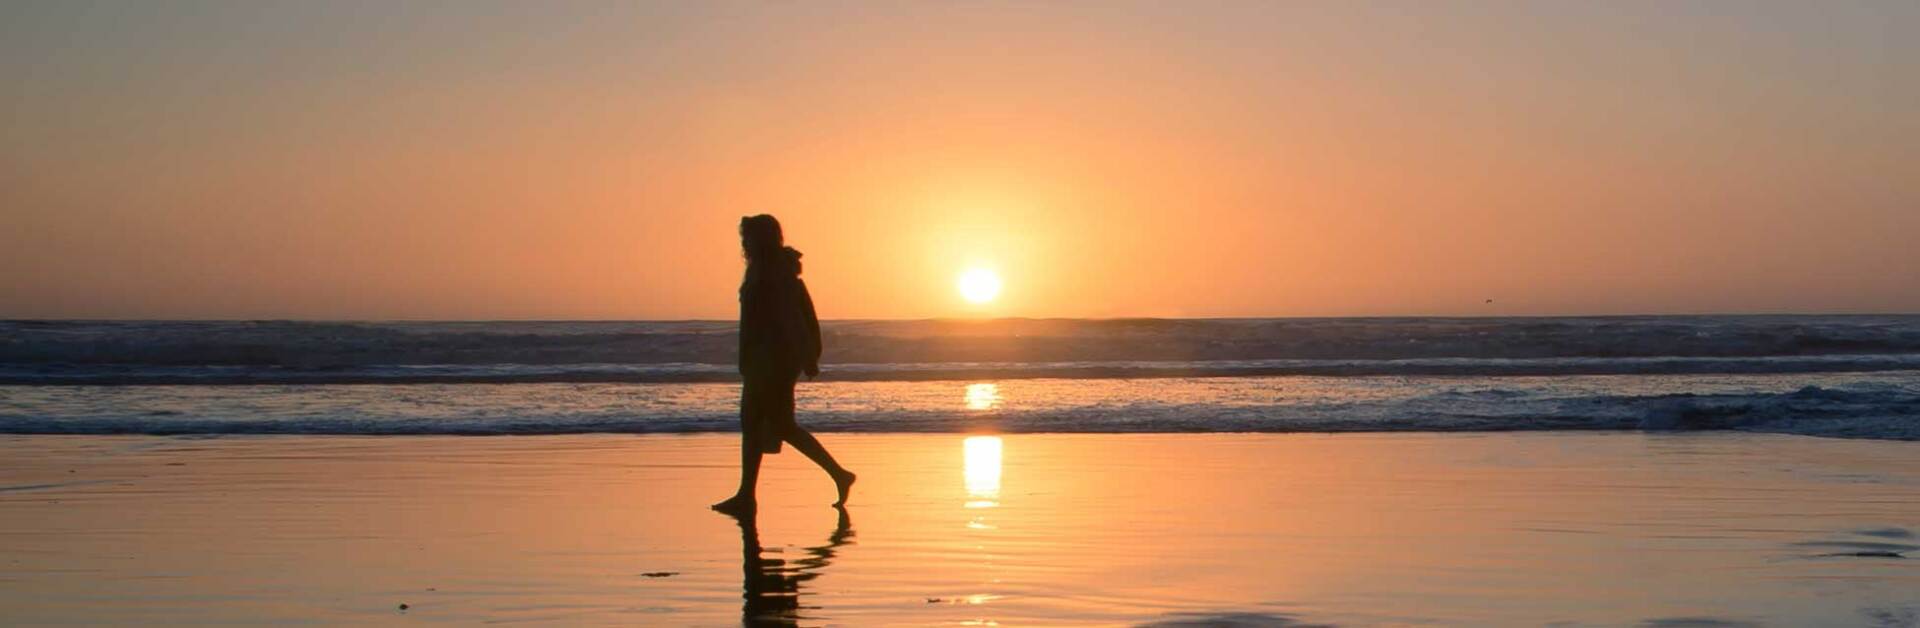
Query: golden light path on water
{"x": 983, "y": 396}
{"x": 982, "y": 470}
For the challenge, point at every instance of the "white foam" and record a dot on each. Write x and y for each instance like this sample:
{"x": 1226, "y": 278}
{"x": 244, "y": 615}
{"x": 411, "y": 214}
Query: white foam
{"x": 1876, "y": 405}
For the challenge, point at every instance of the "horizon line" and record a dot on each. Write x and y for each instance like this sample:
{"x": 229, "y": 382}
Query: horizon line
{"x": 965, "y": 319}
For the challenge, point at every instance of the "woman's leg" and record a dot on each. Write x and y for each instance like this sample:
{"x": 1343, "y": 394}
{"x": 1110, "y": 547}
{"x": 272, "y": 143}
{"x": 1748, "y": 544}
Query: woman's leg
{"x": 749, "y": 468}
{"x": 804, "y": 441}
{"x": 752, "y": 405}
{"x": 743, "y": 499}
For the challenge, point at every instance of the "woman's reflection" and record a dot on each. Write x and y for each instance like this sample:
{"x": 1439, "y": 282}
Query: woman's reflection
{"x": 771, "y": 586}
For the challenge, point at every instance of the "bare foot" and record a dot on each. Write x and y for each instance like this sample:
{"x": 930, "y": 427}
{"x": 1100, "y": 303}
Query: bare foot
{"x": 843, "y": 481}
{"x": 736, "y": 505}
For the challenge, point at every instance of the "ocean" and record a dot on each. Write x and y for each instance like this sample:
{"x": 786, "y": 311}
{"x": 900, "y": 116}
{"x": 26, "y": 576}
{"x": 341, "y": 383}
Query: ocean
{"x": 1848, "y": 376}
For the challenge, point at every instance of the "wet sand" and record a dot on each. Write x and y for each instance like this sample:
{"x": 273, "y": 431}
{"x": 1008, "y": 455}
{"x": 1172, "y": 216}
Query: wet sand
{"x": 1264, "y": 529}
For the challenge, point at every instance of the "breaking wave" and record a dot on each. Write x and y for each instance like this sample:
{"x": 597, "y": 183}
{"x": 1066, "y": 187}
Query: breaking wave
{"x": 1882, "y": 407}
{"x": 286, "y": 352}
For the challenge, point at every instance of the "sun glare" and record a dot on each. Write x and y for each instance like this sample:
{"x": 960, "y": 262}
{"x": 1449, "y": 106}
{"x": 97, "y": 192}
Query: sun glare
{"x": 984, "y": 396}
{"x": 979, "y": 285}
{"x": 981, "y": 469}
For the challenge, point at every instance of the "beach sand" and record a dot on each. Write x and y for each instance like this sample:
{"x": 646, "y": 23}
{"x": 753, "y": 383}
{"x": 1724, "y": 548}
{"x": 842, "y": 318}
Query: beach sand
{"x": 1260, "y": 529}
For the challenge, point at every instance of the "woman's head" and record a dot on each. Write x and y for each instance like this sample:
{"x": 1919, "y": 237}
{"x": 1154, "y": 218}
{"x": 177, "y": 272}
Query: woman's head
{"x": 760, "y": 237}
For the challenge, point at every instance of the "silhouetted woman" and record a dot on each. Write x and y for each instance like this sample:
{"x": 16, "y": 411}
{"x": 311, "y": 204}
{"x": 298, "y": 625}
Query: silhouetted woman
{"x": 779, "y": 340}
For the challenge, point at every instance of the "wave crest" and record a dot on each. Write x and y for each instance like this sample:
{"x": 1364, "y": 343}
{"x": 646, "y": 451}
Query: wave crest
{"x": 1887, "y": 409}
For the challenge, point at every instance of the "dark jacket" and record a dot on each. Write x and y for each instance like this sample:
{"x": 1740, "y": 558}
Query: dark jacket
{"x": 779, "y": 331}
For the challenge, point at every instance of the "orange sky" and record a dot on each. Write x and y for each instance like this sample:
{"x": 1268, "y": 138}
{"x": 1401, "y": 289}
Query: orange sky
{"x": 237, "y": 160}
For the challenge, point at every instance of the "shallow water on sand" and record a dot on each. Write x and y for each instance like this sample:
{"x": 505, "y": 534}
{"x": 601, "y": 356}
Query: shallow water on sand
{"x": 1366, "y": 529}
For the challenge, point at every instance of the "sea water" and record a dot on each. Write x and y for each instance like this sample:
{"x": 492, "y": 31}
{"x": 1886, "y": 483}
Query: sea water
{"x": 1855, "y": 376}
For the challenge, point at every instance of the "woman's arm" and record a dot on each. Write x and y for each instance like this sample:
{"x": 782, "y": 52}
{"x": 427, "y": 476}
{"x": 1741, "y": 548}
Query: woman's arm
{"x": 811, "y": 356}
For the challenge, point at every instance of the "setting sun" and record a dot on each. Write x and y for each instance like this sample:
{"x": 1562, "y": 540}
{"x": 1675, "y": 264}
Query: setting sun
{"x": 979, "y": 285}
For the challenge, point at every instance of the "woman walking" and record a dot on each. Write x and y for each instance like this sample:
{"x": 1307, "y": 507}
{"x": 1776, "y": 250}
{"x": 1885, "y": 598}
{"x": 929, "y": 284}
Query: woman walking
{"x": 779, "y": 340}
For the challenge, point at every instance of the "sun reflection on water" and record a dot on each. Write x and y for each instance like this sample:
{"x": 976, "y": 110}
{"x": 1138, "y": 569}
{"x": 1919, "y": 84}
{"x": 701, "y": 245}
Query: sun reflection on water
{"x": 985, "y": 396}
{"x": 982, "y": 470}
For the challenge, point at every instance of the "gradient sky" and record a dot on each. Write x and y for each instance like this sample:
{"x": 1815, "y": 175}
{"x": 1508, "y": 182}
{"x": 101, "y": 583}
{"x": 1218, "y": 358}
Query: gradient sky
{"x": 460, "y": 160}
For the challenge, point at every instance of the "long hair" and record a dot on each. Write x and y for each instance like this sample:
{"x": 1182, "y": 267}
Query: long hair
{"x": 760, "y": 238}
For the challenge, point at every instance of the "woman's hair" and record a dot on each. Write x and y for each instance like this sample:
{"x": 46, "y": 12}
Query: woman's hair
{"x": 760, "y": 237}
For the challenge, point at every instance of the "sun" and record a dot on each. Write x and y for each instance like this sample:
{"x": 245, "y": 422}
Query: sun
{"x": 979, "y": 285}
